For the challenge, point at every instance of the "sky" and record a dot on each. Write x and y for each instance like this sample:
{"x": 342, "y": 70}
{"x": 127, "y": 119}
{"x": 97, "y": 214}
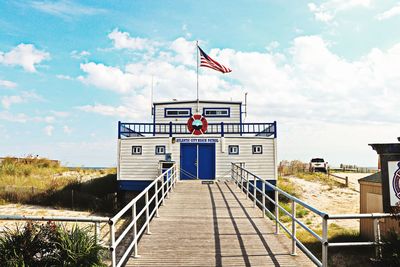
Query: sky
{"x": 327, "y": 71}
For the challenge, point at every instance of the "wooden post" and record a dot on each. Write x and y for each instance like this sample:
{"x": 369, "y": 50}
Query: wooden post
{"x": 72, "y": 199}
{"x": 347, "y": 181}
{"x": 97, "y": 232}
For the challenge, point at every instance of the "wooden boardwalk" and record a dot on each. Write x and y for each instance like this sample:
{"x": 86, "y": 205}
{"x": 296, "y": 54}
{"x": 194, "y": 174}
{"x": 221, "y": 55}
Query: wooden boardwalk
{"x": 213, "y": 225}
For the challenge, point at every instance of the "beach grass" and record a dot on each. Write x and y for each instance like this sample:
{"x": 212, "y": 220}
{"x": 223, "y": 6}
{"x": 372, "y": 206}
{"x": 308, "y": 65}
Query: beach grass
{"x": 45, "y": 182}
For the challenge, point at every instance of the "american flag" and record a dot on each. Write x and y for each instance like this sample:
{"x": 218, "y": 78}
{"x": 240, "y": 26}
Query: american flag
{"x": 208, "y": 62}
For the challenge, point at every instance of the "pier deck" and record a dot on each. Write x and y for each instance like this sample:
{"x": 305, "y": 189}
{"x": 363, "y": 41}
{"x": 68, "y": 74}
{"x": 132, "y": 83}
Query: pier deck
{"x": 213, "y": 225}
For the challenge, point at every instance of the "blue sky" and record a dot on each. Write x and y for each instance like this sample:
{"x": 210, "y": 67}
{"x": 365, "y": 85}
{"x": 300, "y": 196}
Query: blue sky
{"x": 327, "y": 71}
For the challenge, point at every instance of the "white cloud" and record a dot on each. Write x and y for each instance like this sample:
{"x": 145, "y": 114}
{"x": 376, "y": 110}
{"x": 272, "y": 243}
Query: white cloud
{"x": 7, "y": 84}
{"x": 67, "y": 130}
{"x": 65, "y": 8}
{"x": 79, "y": 55}
{"x": 64, "y": 77}
{"x": 60, "y": 114}
{"x": 123, "y": 40}
{"x": 49, "y": 130}
{"x": 327, "y": 10}
{"x": 106, "y": 110}
{"x": 13, "y": 117}
{"x": 24, "y": 55}
{"x": 392, "y": 12}
{"x": 23, "y": 118}
{"x": 185, "y": 51}
{"x": 304, "y": 88}
{"x": 7, "y": 101}
{"x": 108, "y": 77}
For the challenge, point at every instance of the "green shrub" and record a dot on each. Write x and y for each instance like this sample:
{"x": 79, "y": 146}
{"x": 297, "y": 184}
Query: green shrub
{"x": 34, "y": 245}
{"x": 78, "y": 248}
{"x": 49, "y": 245}
{"x": 391, "y": 250}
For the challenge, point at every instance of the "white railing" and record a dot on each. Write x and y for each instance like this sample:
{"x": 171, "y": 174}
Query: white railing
{"x": 244, "y": 178}
{"x": 161, "y": 186}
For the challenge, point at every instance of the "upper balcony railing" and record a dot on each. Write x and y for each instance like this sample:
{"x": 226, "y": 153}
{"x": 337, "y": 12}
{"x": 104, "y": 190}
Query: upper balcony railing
{"x": 171, "y": 129}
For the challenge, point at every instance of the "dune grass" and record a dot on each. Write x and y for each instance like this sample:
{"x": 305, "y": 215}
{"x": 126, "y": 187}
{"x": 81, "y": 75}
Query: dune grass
{"x": 46, "y": 182}
{"x": 319, "y": 177}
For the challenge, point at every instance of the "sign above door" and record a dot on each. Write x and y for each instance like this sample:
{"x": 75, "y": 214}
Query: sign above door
{"x": 197, "y": 140}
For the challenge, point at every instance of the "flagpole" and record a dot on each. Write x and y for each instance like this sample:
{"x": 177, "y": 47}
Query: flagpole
{"x": 197, "y": 65}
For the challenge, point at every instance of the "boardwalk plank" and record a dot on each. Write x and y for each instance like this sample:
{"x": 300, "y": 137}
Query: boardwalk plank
{"x": 213, "y": 225}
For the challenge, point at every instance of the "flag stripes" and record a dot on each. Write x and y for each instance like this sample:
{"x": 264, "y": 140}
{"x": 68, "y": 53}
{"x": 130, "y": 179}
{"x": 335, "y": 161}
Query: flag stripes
{"x": 208, "y": 62}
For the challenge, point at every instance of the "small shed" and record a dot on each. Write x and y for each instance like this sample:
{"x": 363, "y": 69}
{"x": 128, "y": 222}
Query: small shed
{"x": 371, "y": 202}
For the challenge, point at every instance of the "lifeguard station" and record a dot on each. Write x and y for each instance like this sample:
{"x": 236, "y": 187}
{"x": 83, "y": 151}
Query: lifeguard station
{"x": 201, "y": 137}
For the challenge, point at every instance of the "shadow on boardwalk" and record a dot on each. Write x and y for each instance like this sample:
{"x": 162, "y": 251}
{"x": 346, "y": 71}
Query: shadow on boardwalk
{"x": 213, "y": 225}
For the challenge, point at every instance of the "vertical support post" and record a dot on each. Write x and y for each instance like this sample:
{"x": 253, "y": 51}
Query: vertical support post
{"x": 255, "y": 191}
{"x": 156, "y": 203}
{"x": 293, "y": 228}
{"x": 162, "y": 191}
{"x": 263, "y": 198}
{"x": 97, "y": 232}
{"x": 147, "y": 207}
{"x": 170, "y": 129}
{"x": 377, "y": 235}
{"x": 135, "y": 237}
{"x": 324, "y": 242}
{"x": 241, "y": 181}
{"x": 113, "y": 248}
{"x": 222, "y": 129}
{"x": 247, "y": 185}
{"x": 171, "y": 180}
{"x": 119, "y": 129}
{"x": 276, "y": 212}
{"x": 168, "y": 185}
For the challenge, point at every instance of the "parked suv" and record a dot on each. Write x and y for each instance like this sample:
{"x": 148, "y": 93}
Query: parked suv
{"x": 318, "y": 164}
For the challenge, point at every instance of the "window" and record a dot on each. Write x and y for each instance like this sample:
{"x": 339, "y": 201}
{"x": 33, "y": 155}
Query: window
{"x": 257, "y": 149}
{"x": 216, "y": 112}
{"x": 177, "y": 112}
{"x": 160, "y": 150}
{"x": 233, "y": 150}
{"x": 136, "y": 150}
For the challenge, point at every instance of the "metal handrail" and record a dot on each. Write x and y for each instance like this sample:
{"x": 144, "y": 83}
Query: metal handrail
{"x": 168, "y": 181}
{"x": 140, "y": 128}
{"x": 241, "y": 175}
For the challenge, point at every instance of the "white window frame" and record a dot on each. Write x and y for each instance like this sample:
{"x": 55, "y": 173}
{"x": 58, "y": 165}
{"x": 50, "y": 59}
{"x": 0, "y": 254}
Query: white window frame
{"x": 160, "y": 147}
{"x": 257, "y": 149}
{"x": 217, "y": 110}
{"x": 137, "y": 150}
{"x": 186, "y": 111}
{"x": 233, "y": 149}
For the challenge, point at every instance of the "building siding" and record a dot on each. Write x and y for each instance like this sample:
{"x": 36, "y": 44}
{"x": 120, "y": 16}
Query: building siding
{"x": 145, "y": 166}
{"x": 234, "y": 112}
{"x": 371, "y": 192}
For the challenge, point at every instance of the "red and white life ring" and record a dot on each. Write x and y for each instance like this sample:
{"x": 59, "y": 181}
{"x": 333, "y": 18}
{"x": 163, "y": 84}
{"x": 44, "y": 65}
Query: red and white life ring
{"x": 197, "y": 124}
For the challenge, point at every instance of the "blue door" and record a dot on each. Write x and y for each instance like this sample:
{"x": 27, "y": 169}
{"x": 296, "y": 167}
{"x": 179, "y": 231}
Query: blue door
{"x": 207, "y": 161}
{"x": 197, "y": 160}
{"x": 188, "y": 161}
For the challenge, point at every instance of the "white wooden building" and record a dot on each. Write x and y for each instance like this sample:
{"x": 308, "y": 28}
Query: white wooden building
{"x": 203, "y": 146}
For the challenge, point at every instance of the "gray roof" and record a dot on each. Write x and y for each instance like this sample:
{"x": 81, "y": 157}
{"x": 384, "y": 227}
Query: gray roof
{"x": 194, "y": 101}
{"x": 373, "y": 178}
